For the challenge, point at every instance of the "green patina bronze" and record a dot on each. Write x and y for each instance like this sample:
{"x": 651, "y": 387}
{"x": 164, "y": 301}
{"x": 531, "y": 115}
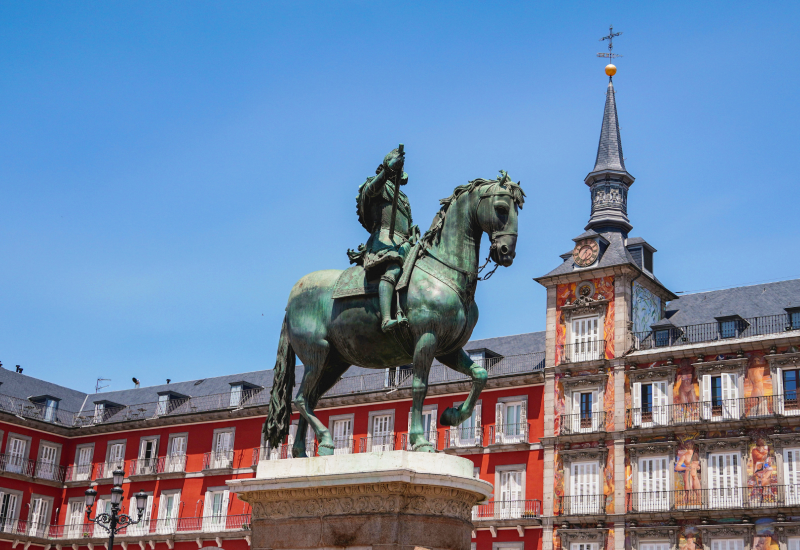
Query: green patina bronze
{"x": 336, "y": 319}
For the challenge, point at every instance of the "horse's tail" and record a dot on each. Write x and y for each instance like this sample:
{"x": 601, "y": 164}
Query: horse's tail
{"x": 280, "y": 402}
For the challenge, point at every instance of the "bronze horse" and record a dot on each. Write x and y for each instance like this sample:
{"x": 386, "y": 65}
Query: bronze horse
{"x": 329, "y": 335}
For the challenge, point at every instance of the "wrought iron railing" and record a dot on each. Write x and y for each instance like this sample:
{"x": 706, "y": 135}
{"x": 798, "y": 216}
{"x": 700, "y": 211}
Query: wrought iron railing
{"x": 584, "y": 422}
{"x": 144, "y": 466}
{"x": 714, "y": 499}
{"x": 711, "y": 332}
{"x": 105, "y": 470}
{"x": 15, "y": 464}
{"x": 576, "y": 505}
{"x": 507, "y": 434}
{"x": 463, "y": 437}
{"x": 507, "y": 509}
{"x": 381, "y": 443}
{"x": 720, "y": 410}
{"x": 590, "y": 350}
{"x": 79, "y": 472}
{"x": 218, "y": 460}
{"x": 49, "y": 471}
{"x": 172, "y": 464}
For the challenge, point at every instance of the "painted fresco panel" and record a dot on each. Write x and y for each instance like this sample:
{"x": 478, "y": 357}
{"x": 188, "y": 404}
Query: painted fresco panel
{"x": 604, "y": 287}
{"x": 646, "y": 308}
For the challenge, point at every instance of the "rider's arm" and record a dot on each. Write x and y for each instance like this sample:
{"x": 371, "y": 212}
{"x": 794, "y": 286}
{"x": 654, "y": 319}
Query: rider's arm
{"x": 374, "y": 186}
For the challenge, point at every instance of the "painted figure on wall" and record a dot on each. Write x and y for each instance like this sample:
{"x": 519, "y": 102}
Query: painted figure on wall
{"x": 685, "y": 396}
{"x": 608, "y": 483}
{"x": 646, "y": 308}
{"x": 688, "y": 484}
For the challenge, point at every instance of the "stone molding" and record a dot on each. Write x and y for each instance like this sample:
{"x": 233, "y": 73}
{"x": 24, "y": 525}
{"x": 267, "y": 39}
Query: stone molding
{"x": 727, "y": 530}
{"x": 649, "y": 533}
{"x": 569, "y": 536}
{"x": 783, "y": 360}
{"x": 643, "y": 449}
{"x": 779, "y": 441}
{"x": 592, "y": 453}
{"x": 726, "y": 444}
{"x": 593, "y": 380}
{"x": 585, "y": 305}
{"x": 654, "y": 373}
{"x": 368, "y": 498}
{"x": 737, "y": 364}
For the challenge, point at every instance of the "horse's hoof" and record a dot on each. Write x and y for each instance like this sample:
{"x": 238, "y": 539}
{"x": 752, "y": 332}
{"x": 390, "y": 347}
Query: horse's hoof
{"x": 299, "y": 454}
{"x": 324, "y": 450}
{"x": 450, "y": 417}
{"x": 389, "y": 325}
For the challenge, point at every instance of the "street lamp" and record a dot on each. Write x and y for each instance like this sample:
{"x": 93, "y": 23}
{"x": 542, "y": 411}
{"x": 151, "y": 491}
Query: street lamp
{"x": 114, "y": 522}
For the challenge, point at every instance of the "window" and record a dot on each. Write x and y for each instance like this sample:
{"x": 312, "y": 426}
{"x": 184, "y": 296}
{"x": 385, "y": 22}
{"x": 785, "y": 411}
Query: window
{"x": 74, "y": 525}
{"x": 115, "y": 459}
{"x": 650, "y": 404}
{"x": 791, "y": 476}
{"x": 653, "y": 494}
{"x": 163, "y": 404}
{"x": 585, "y": 344}
{"x": 83, "y": 464}
{"x": 236, "y": 395}
{"x": 343, "y": 436}
{"x": 382, "y": 433}
{"x": 585, "y": 496}
{"x": 727, "y": 544}
{"x": 143, "y": 527}
{"x": 8, "y": 510}
{"x": 583, "y": 546}
{"x": 662, "y": 338}
{"x": 511, "y": 421}
{"x": 728, "y": 329}
{"x": 724, "y": 482}
{"x": 15, "y": 455}
{"x": 794, "y": 319}
{"x": 99, "y": 409}
{"x": 168, "y": 512}
{"x": 793, "y": 543}
{"x": 39, "y": 518}
{"x": 47, "y": 468}
{"x": 720, "y": 396}
{"x": 585, "y": 416}
{"x": 176, "y": 457}
{"x": 215, "y": 510}
{"x": 50, "y": 408}
{"x": 468, "y": 433}
{"x": 222, "y": 455}
{"x": 790, "y": 387}
{"x": 731, "y": 327}
{"x": 478, "y": 357}
{"x": 147, "y": 457}
{"x": 512, "y": 501}
{"x": 654, "y": 546}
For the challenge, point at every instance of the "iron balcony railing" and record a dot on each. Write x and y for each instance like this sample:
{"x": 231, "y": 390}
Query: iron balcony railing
{"x": 576, "y": 505}
{"x": 590, "y": 350}
{"x": 463, "y": 437}
{"x": 717, "y": 410}
{"x": 714, "y": 499}
{"x": 172, "y": 464}
{"x": 711, "y": 332}
{"x": 35, "y": 411}
{"x": 584, "y": 422}
{"x": 381, "y": 443}
{"x": 218, "y": 460}
{"x": 145, "y": 466}
{"x": 507, "y": 509}
{"x": 15, "y": 464}
{"x": 161, "y": 526}
{"x": 507, "y": 434}
{"x": 79, "y": 472}
{"x": 49, "y": 471}
{"x": 105, "y": 470}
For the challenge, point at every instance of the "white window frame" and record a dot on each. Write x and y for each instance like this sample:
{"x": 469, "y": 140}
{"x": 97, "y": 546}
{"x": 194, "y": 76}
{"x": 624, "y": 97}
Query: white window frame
{"x": 593, "y": 503}
{"x": 83, "y": 472}
{"x": 176, "y": 462}
{"x": 147, "y": 467}
{"x": 215, "y": 522}
{"x": 508, "y": 545}
{"x": 48, "y": 471}
{"x": 793, "y": 543}
{"x": 17, "y": 463}
{"x": 143, "y": 527}
{"x": 659, "y": 414}
{"x": 509, "y": 508}
{"x": 9, "y": 523}
{"x": 725, "y": 497}
{"x": 467, "y": 437}
{"x": 39, "y": 527}
{"x": 740, "y": 543}
{"x": 345, "y": 445}
{"x": 110, "y": 464}
{"x": 520, "y": 434}
{"x": 654, "y": 544}
{"x": 585, "y": 347}
{"x": 75, "y": 518}
{"x": 731, "y": 385}
{"x": 385, "y": 444}
{"x": 432, "y": 434}
{"x": 164, "y": 524}
{"x": 653, "y": 494}
{"x": 222, "y": 459}
{"x": 791, "y": 475}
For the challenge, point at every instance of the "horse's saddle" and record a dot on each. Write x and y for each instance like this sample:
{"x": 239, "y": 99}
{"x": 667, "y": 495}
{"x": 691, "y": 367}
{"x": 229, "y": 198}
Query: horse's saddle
{"x": 354, "y": 281}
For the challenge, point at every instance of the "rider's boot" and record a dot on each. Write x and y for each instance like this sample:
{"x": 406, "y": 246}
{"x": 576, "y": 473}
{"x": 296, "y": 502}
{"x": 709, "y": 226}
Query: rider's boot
{"x": 385, "y": 293}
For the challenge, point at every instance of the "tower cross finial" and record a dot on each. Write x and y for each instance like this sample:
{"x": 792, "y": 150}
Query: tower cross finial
{"x": 610, "y": 38}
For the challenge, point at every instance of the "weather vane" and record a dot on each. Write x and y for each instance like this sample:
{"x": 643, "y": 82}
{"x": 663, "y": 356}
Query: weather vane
{"x": 610, "y": 68}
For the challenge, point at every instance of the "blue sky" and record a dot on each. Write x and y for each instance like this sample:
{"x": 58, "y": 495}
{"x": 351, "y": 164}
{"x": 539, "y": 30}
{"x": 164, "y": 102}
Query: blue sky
{"x": 168, "y": 170}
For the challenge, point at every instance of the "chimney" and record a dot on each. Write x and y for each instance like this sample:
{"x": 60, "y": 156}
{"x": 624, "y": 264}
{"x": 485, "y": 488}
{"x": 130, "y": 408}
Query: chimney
{"x": 19, "y": 369}
{"x": 136, "y": 381}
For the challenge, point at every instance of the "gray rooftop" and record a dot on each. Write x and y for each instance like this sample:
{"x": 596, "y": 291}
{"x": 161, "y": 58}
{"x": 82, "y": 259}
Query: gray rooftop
{"x": 609, "y": 148}
{"x": 23, "y": 387}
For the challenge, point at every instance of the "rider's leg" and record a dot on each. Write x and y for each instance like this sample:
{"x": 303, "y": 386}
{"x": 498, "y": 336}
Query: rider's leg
{"x": 385, "y": 294}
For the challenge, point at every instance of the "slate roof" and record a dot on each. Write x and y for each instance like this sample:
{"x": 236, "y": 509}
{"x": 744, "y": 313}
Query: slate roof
{"x": 746, "y": 301}
{"x": 24, "y": 386}
{"x": 609, "y": 148}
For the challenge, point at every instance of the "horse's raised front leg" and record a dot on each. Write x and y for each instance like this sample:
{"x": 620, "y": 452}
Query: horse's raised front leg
{"x": 423, "y": 358}
{"x": 460, "y": 361}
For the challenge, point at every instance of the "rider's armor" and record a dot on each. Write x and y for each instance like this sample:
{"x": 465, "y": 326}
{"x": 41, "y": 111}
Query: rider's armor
{"x": 381, "y": 254}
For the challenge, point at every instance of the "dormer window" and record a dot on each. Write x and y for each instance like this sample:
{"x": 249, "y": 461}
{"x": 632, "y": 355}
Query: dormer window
{"x": 48, "y": 405}
{"x": 648, "y": 260}
{"x": 241, "y": 392}
{"x": 236, "y": 394}
{"x": 731, "y": 327}
{"x": 662, "y": 338}
{"x": 99, "y": 409}
{"x": 168, "y": 401}
{"x": 794, "y": 318}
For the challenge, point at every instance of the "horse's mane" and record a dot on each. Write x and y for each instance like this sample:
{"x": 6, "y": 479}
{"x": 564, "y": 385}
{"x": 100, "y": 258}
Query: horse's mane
{"x": 432, "y": 234}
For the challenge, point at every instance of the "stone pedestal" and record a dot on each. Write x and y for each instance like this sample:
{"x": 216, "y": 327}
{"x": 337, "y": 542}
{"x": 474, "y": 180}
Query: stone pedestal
{"x": 396, "y": 500}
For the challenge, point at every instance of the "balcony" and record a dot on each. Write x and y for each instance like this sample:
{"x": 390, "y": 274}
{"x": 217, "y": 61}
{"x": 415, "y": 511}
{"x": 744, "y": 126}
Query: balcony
{"x": 509, "y": 434}
{"x": 15, "y": 464}
{"x": 218, "y": 460}
{"x": 507, "y": 509}
{"x": 581, "y": 423}
{"x": 78, "y": 472}
{"x": 104, "y": 471}
{"x": 145, "y": 466}
{"x": 581, "y": 352}
{"x": 720, "y": 410}
{"x": 463, "y": 439}
{"x": 172, "y": 464}
{"x": 581, "y": 505}
{"x": 770, "y": 496}
{"x": 48, "y": 471}
{"x": 382, "y": 443}
{"x": 713, "y": 332}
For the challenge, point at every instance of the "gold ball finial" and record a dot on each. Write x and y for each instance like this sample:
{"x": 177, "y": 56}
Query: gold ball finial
{"x": 611, "y": 70}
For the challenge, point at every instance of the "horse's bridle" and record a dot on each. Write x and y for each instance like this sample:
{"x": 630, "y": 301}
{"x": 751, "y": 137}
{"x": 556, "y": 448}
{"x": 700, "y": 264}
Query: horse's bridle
{"x": 492, "y": 192}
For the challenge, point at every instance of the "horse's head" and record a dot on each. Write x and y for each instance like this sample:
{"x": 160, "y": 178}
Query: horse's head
{"x": 497, "y": 212}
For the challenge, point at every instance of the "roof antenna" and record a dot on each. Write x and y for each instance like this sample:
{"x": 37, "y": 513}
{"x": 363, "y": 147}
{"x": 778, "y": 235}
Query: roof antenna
{"x": 98, "y": 387}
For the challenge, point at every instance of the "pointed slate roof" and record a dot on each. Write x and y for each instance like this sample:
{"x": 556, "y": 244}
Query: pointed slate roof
{"x": 609, "y": 148}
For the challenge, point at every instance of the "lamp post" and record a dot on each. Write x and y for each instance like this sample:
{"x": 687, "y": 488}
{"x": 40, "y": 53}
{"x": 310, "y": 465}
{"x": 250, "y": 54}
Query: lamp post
{"x": 115, "y": 522}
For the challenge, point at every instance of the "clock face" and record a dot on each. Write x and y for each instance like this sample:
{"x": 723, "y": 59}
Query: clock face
{"x": 585, "y": 252}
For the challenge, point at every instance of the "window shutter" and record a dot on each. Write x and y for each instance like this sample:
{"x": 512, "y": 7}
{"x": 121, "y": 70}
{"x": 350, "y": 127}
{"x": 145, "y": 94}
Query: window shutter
{"x": 636, "y": 400}
{"x": 478, "y": 412}
{"x": 292, "y": 433}
{"x": 794, "y": 544}
{"x": 730, "y": 393}
{"x": 523, "y": 420}
{"x": 791, "y": 477}
{"x": 207, "y": 506}
{"x": 660, "y": 402}
{"x": 595, "y": 412}
{"x": 309, "y": 440}
{"x": 408, "y": 442}
{"x": 498, "y": 423}
{"x": 433, "y": 436}
{"x": 706, "y": 396}
{"x": 777, "y": 389}
{"x": 576, "y": 412}
{"x": 225, "y": 502}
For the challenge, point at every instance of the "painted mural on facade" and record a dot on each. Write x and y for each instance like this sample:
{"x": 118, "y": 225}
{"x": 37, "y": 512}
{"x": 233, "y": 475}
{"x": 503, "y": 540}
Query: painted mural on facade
{"x": 560, "y": 398}
{"x": 607, "y": 472}
{"x": 646, "y": 308}
{"x": 565, "y": 293}
{"x": 608, "y": 402}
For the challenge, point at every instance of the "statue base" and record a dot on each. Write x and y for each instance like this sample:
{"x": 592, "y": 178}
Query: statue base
{"x": 396, "y": 500}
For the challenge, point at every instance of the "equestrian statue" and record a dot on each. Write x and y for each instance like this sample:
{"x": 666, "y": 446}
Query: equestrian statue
{"x": 407, "y": 300}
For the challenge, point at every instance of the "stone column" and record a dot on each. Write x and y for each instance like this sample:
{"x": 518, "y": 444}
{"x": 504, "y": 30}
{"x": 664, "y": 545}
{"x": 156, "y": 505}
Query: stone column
{"x": 396, "y": 500}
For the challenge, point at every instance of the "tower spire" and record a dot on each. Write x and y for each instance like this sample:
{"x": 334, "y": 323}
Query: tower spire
{"x": 609, "y": 181}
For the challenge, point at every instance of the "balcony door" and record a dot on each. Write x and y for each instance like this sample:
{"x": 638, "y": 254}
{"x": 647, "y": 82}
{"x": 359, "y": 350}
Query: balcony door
{"x": 583, "y": 546}
{"x": 585, "y": 340}
{"x": 343, "y": 436}
{"x": 724, "y": 480}
{"x": 791, "y": 476}
{"x": 75, "y": 519}
{"x": 511, "y": 502}
{"x": 15, "y": 449}
{"x": 653, "y": 494}
{"x": 39, "y": 518}
{"x": 147, "y": 457}
{"x": 83, "y": 468}
{"x": 223, "y": 451}
{"x": 47, "y": 467}
{"x": 654, "y": 546}
{"x": 116, "y": 459}
{"x": 143, "y": 527}
{"x": 584, "y": 497}
{"x": 8, "y": 511}
{"x": 650, "y": 404}
{"x": 727, "y": 544}
{"x": 168, "y": 513}
{"x": 176, "y": 461}
{"x": 382, "y": 438}
{"x": 585, "y": 416}
{"x": 215, "y": 511}
{"x": 720, "y": 397}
